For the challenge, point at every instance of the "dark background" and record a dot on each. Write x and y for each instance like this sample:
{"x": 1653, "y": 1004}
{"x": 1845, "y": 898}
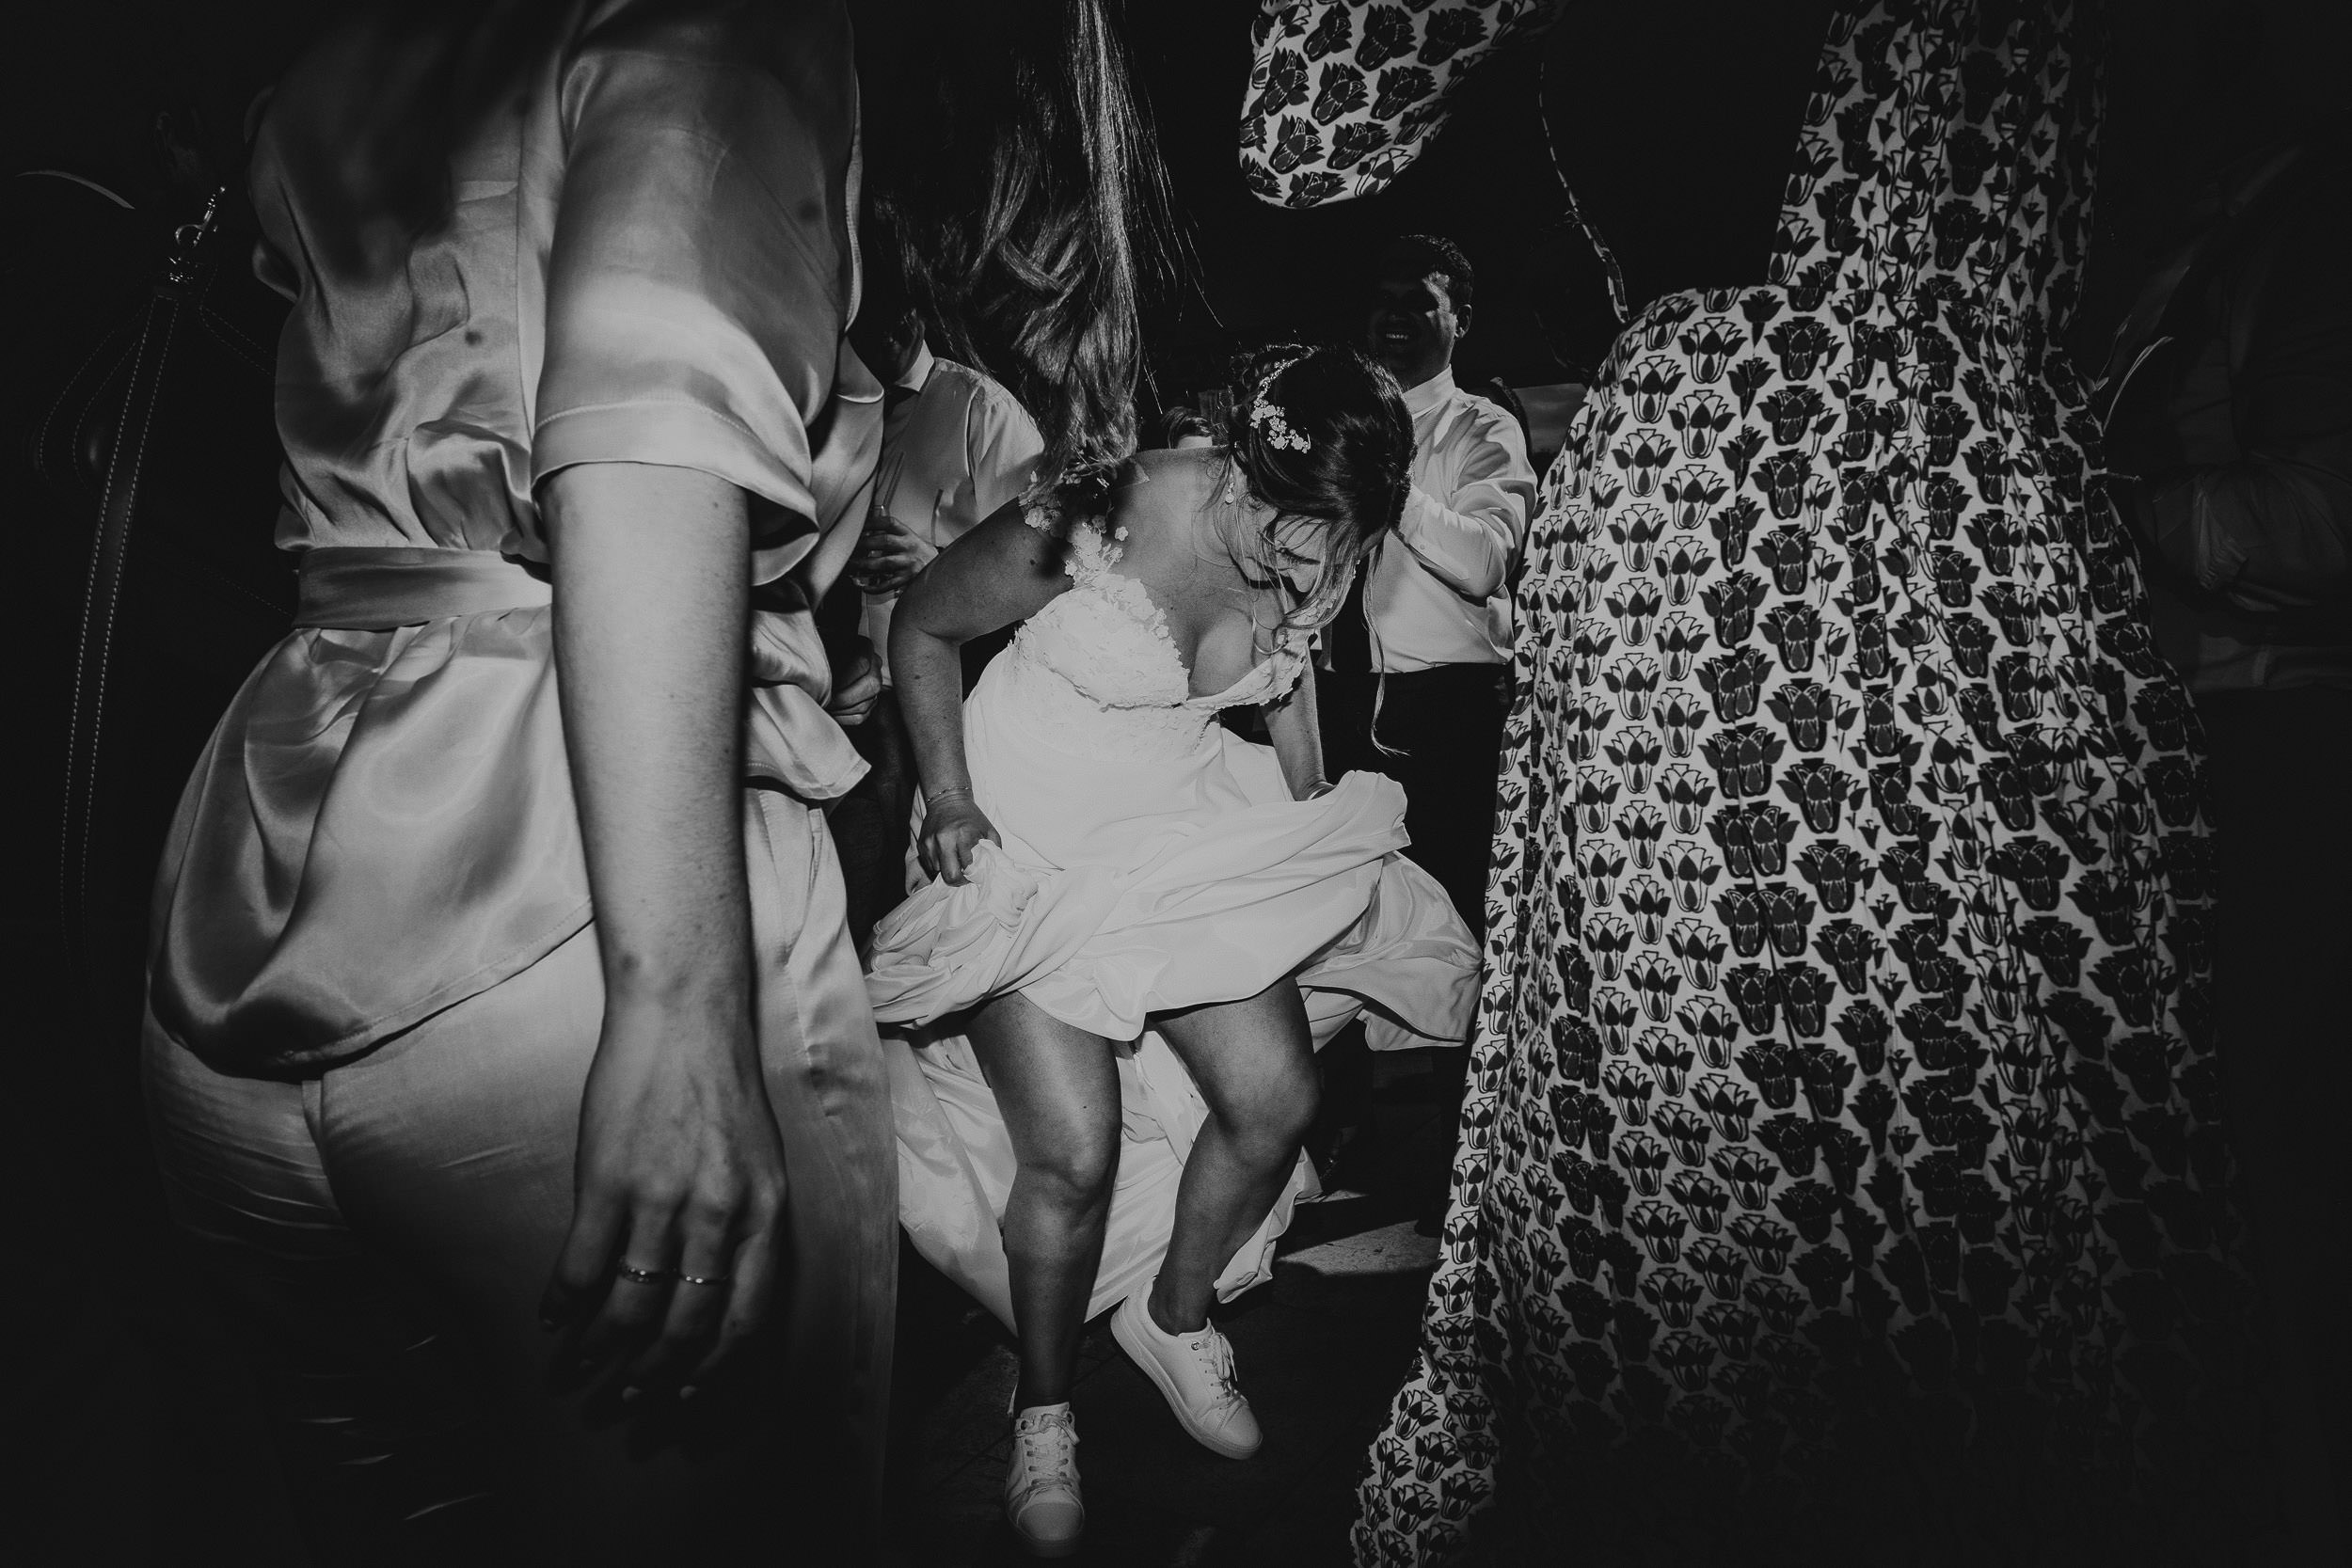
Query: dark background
{"x": 146, "y": 1445}
{"x": 2193, "y": 84}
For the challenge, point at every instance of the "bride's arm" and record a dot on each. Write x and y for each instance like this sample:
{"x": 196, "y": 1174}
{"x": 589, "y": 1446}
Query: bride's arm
{"x": 1001, "y": 571}
{"x": 1290, "y": 723}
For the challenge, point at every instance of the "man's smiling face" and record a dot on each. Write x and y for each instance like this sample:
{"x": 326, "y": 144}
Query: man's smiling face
{"x": 1413, "y": 324}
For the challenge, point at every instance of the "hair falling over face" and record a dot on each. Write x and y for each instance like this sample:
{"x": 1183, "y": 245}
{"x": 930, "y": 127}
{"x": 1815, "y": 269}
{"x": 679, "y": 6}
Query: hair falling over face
{"x": 1349, "y": 479}
{"x": 1266, "y": 554}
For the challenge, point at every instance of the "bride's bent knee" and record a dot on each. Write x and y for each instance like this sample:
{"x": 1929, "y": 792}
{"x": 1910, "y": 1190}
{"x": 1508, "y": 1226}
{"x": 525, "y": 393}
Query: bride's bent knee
{"x": 1271, "y": 1124}
{"x": 1075, "y": 1178}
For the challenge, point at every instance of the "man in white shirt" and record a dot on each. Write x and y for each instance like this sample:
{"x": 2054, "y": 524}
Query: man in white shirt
{"x": 1425, "y": 639}
{"x": 955, "y": 448}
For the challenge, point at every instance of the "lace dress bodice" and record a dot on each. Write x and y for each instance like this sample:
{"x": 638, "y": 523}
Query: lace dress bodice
{"x": 1096, "y": 672}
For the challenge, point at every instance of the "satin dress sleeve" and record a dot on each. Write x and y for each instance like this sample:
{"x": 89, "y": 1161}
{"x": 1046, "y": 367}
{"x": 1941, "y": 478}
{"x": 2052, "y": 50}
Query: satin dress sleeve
{"x": 648, "y": 259}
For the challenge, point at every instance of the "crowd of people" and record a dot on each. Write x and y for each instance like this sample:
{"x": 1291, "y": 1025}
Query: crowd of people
{"x": 768, "y": 760}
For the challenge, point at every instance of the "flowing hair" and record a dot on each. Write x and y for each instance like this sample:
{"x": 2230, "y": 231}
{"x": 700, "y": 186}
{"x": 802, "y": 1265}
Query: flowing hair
{"x": 1024, "y": 196}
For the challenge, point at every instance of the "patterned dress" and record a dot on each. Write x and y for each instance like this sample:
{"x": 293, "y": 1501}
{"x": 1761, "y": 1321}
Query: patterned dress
{"x": 1841, "y": 1159}
{"x": 1345, "y": 94}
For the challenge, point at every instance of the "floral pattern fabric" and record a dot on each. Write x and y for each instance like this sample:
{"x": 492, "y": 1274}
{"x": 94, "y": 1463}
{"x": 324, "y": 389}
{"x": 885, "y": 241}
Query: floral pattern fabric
{"x": 1843, "y": 1111}
{"x": 1344, "y": 94}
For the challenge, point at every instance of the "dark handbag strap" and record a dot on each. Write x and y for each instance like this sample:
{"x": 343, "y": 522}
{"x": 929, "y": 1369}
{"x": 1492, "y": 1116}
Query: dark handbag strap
{"x": 109, "y": 558}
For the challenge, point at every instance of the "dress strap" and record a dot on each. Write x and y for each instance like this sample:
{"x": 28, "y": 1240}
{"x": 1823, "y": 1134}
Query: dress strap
{"x": 1294, "y": 651}
{"x": 1088, "y": 553}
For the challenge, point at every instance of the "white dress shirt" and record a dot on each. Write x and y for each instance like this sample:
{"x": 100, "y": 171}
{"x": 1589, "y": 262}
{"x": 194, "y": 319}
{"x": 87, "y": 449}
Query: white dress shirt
{"x": 1440, "y": 593}
{"x": 961, "y": 448}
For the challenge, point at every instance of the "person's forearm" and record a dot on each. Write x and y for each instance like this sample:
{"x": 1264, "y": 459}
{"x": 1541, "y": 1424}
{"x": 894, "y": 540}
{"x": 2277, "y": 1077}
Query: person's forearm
{"x": 651, "y": 615}
{"x": 1470, "y": 551}
{"x": 928, "y": 672}
{"x": 1298, "y": 741}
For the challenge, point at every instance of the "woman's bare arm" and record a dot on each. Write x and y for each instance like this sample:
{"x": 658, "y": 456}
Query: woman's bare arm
{"x": 680, "y": 1165}
{"x": 652, "y": 609}
{"x": 1001, "y": 571}
{"x": 1290, "y": 723}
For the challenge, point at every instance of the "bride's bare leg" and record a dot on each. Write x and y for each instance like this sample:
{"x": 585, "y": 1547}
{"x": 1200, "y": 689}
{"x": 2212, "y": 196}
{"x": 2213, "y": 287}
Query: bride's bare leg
{"x": 1254, "y": 1063}
{"x": 1058, "y": 1089}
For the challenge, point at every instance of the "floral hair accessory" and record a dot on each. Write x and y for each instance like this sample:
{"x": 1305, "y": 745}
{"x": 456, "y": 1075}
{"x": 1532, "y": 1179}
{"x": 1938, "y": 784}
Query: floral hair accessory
{"x": 1267, "y": 415}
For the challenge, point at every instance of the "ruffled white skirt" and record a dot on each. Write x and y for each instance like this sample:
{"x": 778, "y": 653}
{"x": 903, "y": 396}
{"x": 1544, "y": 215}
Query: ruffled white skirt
{"x": 1125, "y": 889}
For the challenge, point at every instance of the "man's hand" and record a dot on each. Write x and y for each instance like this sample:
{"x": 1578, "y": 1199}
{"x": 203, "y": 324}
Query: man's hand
{"x": 889, "y": 556}
{"x": 856, "y": 685}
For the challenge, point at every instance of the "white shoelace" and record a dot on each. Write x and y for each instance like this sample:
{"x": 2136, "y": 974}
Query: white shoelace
{"x": 1049, "y": 1453}
{"x": 1215, "y": 1355}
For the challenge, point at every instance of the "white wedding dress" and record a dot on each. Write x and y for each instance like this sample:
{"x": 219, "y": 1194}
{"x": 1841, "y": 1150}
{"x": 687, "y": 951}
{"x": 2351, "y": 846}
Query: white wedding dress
{"x": 1151, "y": 860}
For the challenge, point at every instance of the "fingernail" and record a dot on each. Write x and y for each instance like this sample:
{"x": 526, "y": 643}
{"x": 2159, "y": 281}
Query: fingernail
{"x": 630, "y": 1394}
{"x": 685, "y": 1391}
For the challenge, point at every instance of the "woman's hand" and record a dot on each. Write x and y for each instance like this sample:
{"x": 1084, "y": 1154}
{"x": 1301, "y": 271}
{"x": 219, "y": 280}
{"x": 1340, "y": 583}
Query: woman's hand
{"x": 680, "y": 1174}
{"x": 679, "y": 1170}
{"x": 1001, "y": 571}
{"x": 951, "y": 828}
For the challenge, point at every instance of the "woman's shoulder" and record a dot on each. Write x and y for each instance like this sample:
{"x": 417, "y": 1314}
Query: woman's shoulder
{"x": 1074, "y": 544}
{"x": 724, "y": 69}
{"x": 794, "y": 43}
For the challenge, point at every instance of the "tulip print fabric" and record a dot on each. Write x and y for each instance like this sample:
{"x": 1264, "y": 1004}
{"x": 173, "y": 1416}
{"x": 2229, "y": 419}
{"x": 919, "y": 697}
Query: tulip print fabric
{"x": 1344, "y": 94}
{"x": 1841, "y": 1155}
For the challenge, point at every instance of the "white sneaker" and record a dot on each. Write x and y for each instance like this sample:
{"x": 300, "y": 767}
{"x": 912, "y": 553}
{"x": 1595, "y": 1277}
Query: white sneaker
{"x": 1042, "y": 1483}
{"x": 1195, "y": 1374}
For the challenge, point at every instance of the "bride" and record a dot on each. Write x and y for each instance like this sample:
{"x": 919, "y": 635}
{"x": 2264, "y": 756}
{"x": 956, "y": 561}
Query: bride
{"x": 1121, "y": 885}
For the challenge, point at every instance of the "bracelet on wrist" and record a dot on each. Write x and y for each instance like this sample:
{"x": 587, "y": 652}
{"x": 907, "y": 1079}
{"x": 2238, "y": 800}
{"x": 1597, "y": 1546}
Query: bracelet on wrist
{"x": 950, "y": 793}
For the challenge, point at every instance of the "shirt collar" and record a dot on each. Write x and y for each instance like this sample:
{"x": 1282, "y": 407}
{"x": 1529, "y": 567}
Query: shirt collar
{"x": 919, "y": 370}
{"x": 1421, "y": 399}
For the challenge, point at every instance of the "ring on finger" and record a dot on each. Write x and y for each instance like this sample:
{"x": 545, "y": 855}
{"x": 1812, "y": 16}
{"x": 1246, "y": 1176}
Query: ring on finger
{"x": 708, "y": 1279}
{"x": 636, "y": 1275}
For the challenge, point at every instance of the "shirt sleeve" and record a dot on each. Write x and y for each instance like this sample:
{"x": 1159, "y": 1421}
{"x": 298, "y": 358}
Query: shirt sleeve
{"x": 1467, "y": 537}
{"x": 2270, "y": 534}
{"x": 1004, "y": 446}
{"x": 699, "y": 270}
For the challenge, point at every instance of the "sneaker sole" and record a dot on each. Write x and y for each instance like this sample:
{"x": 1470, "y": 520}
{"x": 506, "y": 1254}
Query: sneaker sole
{"x": 1148, "y": 1365}
{"x": 1045, "y": 1548}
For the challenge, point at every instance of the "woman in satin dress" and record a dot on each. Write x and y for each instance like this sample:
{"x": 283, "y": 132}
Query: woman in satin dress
{"x": 509, "y": 1065}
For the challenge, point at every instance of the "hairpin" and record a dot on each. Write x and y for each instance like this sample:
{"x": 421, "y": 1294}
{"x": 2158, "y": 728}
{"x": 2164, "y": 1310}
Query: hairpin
{"x": 1267, "y": 415}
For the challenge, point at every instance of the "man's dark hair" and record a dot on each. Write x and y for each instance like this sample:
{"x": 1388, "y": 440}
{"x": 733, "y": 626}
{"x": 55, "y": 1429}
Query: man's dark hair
{"x": 1428, "y": 253}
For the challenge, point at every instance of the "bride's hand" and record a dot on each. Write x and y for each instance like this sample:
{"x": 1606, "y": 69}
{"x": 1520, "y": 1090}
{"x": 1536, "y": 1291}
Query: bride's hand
{"x": 951, "y": 827}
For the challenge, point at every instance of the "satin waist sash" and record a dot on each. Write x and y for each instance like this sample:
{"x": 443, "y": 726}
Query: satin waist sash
{"x": 355, "y": 588}
{"x": 384, "y": 825}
